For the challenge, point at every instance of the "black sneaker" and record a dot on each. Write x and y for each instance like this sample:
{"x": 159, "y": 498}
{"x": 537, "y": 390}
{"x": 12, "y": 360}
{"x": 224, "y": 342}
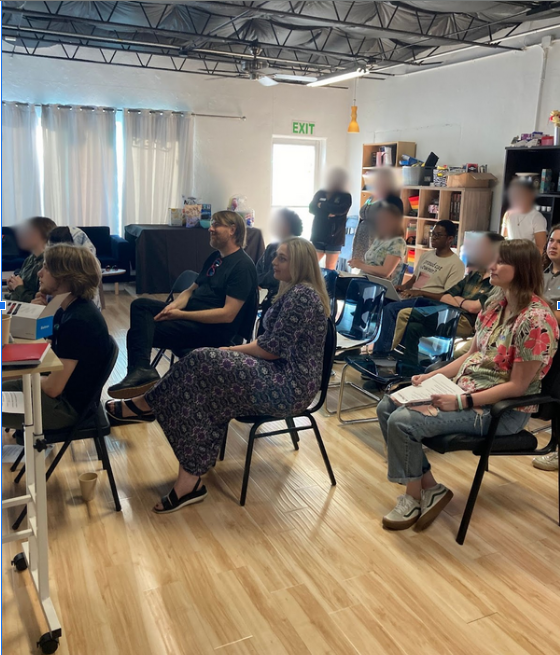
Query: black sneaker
{"x": 136, "y": 383}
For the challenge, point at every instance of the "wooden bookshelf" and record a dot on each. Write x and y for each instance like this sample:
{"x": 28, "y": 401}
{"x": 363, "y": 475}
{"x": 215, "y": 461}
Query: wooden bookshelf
{"x": 469, "y": 209}
{"x": 369, "y": 154}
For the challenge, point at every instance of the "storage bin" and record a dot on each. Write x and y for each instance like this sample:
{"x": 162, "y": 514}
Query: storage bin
{"x": 412, "y": 175}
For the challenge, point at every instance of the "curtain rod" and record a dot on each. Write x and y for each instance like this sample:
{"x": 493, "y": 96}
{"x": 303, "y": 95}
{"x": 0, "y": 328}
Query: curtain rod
{"x": 134, "y": 111}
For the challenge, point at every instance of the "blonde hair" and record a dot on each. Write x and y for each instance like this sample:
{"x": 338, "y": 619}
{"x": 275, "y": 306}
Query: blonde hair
{"x": 233, "y": 219}
{"x": 304, "y": 269}
{"x": 75, "y": 266}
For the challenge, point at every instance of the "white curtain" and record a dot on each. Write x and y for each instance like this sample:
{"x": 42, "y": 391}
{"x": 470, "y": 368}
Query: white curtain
{"x": 21, "y": 178}
{"x": 157, "y": 164}
{"x": 80, "y": 166}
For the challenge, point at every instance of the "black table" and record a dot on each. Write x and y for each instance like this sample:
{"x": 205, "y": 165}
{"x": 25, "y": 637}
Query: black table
{"x": 161, "y": 253}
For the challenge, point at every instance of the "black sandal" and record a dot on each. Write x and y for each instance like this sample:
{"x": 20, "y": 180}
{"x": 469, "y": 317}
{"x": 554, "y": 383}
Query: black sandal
{"x": 171, "y": 503}
{"x": 116, "y": 416}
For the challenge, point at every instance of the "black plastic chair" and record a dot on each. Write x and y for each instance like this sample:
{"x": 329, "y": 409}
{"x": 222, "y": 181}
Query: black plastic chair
{"x": 330, "y": 278}
{"x": 182, "y": 283}
{"x": 292, "y": 429}
{"x": 91, "y": 424}
{"x": 523, "y": 443}
{"x": 388, "y": 369}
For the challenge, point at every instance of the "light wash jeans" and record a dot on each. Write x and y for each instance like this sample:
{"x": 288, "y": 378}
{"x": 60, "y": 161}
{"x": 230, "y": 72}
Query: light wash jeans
{"x": 403, "y": 430}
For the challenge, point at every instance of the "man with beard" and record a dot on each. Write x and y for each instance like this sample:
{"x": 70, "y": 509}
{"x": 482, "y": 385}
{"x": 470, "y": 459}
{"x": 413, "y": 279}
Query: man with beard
{"x": 208, "y": 314}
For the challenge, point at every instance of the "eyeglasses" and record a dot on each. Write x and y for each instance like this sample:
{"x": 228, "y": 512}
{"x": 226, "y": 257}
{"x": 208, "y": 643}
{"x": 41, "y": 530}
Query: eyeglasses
{"x": 439, "y": 235}
{"x": 212, "y": 270}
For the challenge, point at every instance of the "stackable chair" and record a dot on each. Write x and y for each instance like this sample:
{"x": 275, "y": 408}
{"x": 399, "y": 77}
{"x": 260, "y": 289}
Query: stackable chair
{"x": 182, "y": 283}
{"x": 91, "y": 424}
{"x": 388, "y": 369}
{"x": 360, "y": 320}
{"x": 524, "y": 443}
{"x": 291, "y": 429}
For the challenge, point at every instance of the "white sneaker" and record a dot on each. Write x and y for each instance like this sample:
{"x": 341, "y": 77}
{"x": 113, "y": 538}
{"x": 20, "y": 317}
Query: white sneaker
{"x": 433, "y": 502}
{"x": 405, "y": 514}
{"x": 546, "y": 462}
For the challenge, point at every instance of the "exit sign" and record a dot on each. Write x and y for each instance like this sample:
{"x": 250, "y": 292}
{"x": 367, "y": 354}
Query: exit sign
{"x": 302, "y": 128}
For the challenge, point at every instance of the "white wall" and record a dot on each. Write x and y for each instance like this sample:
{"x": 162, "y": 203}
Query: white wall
{"x": 230, "y": 156}
{"x": 467, "y": 112}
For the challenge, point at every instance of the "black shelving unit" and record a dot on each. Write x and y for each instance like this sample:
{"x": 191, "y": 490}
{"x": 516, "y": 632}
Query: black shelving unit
{"x": 524, "y": 160}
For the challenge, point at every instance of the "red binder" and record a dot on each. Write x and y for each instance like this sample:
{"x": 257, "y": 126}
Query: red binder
{"x": 24, "y": 354}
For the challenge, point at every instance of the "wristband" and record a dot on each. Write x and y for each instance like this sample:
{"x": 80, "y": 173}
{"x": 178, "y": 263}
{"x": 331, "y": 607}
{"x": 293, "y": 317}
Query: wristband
{"x": 459, "y": 402}
{"x": 470, "y": 401}
{"x": 461, "y": 303}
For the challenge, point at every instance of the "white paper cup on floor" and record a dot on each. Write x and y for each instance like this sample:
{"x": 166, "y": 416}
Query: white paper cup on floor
{"x": 88, "y": 483}
{"x": 6, "y": 322}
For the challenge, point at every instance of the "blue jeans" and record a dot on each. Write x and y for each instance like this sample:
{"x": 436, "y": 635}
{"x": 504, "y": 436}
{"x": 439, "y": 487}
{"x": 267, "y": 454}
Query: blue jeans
{"x": 403, "y": 430}
{"x": 389, "y": 322}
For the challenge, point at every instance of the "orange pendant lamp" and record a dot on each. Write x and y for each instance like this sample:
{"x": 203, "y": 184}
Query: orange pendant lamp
{"x": 354, "y": 127}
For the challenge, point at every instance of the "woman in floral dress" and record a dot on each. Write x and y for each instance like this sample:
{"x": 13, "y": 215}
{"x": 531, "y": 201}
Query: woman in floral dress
{"x": 278, "y": 374}
{"x": 516, "y": 336}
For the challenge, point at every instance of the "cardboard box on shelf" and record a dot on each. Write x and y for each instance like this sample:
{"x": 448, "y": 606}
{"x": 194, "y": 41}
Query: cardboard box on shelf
{"x": 471, "y": 180}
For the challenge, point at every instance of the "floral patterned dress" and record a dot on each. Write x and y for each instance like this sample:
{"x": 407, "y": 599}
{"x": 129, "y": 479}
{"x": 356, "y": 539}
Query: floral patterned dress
{"x": 531, "y": 335}
{"x": 198, "y": 397}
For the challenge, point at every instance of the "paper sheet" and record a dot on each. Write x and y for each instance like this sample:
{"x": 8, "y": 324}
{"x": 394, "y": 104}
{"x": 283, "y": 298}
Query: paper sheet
{"x": 344, "y": 343}
{"x": 439, "y": 384}
{"x": 12, "y": 402}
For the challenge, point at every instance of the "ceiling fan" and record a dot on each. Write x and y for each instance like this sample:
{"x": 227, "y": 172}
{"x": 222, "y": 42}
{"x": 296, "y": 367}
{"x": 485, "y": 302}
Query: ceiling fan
{"x": 258, "y": 69}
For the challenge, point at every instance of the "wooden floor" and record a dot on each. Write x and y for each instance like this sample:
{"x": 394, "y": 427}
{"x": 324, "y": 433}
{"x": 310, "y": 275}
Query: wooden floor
{"x": 303, "y": 568}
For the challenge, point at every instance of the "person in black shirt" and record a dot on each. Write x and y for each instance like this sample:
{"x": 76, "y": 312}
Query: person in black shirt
{"x": 80, "y": 337}
{"x": 208, "y": 314}
{"x": 330, "y": 207}
{"x": 285, "y": 223}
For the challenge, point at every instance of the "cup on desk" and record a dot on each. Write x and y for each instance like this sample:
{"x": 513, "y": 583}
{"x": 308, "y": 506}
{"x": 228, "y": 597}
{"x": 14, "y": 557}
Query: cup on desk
{"x": 88, "y": 483}
{"x": 6, "y": 322}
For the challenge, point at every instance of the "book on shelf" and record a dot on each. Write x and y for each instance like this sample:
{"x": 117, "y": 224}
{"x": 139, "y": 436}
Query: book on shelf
{"x": 455, "y": 207}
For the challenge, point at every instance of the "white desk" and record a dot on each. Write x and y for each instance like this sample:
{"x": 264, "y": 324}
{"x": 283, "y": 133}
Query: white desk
{"x": 36, "y": 546}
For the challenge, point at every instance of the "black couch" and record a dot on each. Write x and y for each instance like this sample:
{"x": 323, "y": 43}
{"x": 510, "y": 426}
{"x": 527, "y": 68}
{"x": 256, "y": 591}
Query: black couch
{"x": 111, "y": 249}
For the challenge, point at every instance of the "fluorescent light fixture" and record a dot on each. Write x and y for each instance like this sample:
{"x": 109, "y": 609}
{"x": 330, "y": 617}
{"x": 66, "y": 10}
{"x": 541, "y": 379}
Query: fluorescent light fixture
{"x": 340, "y": 77}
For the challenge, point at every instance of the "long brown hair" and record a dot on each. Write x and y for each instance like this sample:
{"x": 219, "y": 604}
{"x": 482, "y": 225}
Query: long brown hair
{"x": 528, "y": 278}
{"x": 545, "y": 258}
{"x": 304, "y": 269}
{"x": 76, "y": 266}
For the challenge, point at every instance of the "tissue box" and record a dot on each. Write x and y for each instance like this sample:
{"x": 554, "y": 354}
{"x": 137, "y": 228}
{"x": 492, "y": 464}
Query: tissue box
{"x": 32, "y": 321}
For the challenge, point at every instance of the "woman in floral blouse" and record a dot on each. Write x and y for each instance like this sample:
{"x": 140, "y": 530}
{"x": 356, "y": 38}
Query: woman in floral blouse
{"x": 516, "y": 336}
{"x": 278, "y": 374}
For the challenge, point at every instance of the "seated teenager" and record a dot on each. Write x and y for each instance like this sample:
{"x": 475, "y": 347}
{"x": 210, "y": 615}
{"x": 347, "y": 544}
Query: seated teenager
{"x": 436, "y": 271}
{"x": 383, "y": 190}
{"x": 208, "y": 313}
{"x": 516, "y": 336}
{"x": 80, "y": 338}
{"x": 33, "y": 236}
{"x": 278, "y": 374}
{"x": 469, "y": 295}
{"x": 387, "y": 254}
{"x": 285, "y": 223}
{"x": 552, "y": 294}
{"x": 77, "y": 237}
{"x": 522, "y": 220}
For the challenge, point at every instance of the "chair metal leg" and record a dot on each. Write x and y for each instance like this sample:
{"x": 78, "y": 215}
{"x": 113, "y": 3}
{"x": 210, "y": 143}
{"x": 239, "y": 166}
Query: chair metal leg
{"x": 223, "y": 448}
{"x": 477, "y": 482}
{"x": 343, "y": 385}
{"x": 97, "y": 449}
{"x": 14, "y": 466}
{"x": 248, "y": 458}
{"x": 20, "y": 475}
{"x": 107, "y": 466}
{"x": 322, "y": 449}
{"x": 294, "y": 435}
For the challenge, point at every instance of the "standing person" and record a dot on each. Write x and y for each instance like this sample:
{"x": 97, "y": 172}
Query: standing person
{"x": 436, "y": 271}
{"x": 516, "y": 338}
{"x": 208, "y": 313}
{"x": 80, "y": 338}
{"x": 285, "y": 223}
{"x": 278, "y": 374}
{"x": 522, "y": 220}
{"x": 384, "y": 190}
{"x": 387, "y": 254}
{"x": 552, "y": 294}
{"x": 330, "y": 208}
{"x": 33, "y": 236}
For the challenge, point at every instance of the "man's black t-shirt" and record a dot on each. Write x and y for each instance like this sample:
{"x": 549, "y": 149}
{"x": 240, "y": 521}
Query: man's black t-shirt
{"x": 80, "y": 333}
{"x": 234, "y": 276}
